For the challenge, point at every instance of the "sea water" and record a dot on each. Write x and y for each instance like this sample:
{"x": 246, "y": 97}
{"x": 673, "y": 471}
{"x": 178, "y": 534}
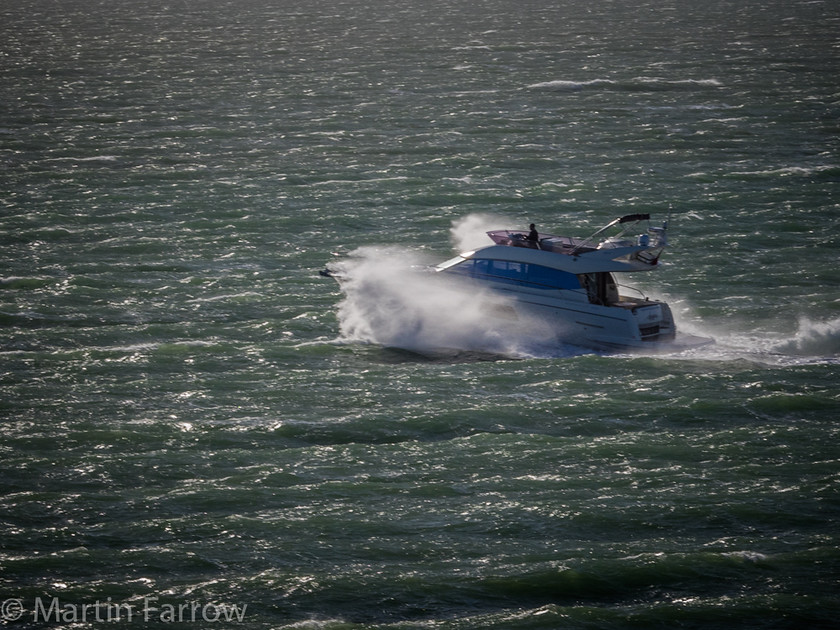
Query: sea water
{"x": 198, "y": 429}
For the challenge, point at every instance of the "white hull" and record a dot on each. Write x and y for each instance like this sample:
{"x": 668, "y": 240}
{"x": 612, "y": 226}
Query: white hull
{"x": 635, "y": 325}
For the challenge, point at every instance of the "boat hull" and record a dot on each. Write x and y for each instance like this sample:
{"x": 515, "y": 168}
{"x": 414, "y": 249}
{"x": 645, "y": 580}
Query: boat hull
{"x": 631, "y": 325}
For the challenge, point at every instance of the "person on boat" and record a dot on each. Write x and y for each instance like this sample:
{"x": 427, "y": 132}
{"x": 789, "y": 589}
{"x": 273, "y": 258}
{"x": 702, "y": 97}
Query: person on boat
{"x": 533, "y": 237}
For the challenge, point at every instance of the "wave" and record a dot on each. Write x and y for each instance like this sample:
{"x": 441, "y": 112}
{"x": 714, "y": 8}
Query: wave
{"x": 814, "y": 338}
{"x": 26, "y": 282}
{"x": 631, "y": 85}
{"x": 92, "y": 158}
{"x": 828, "y": 170}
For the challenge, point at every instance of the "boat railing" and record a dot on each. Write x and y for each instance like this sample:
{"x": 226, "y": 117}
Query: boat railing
{"x": 547, "y": 242}
{"x": 621, "y": 221}
{"x": 559, "y": 243}
{"x": 636, "y": 289}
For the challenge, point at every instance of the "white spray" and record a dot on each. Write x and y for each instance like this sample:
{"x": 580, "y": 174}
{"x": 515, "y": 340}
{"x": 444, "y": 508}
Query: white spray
{"x": 393, "y": 298}
{"x": 814, "y": 338}
{"x": 470, "y": 232}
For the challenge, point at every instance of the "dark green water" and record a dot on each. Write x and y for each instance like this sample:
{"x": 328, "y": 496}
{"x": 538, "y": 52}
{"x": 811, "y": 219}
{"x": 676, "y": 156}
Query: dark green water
{"x": 188, "y": 432}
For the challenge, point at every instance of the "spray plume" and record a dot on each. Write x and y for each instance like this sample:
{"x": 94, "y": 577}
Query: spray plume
{"x": 470, "y": 232}
{"x": 394, "y": 299}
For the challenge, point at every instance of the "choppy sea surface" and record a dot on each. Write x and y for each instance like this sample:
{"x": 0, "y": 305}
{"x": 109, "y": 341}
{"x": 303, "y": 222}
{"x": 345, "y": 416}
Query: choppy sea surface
{"x": 195, "y": 424}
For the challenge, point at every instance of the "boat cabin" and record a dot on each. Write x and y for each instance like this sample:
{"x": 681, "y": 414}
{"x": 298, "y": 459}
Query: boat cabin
{"x": 598, "y": 287}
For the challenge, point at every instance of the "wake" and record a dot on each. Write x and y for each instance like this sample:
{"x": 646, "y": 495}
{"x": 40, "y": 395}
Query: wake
{"x": 809, "y": 342}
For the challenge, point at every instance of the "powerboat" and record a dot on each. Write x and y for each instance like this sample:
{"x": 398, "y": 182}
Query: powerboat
{"x": 567, "y": 284}
{"x": 526, "y": 287}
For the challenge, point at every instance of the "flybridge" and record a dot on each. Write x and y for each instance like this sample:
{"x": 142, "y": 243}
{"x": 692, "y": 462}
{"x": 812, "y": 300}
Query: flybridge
{"x": 621, "y": 252}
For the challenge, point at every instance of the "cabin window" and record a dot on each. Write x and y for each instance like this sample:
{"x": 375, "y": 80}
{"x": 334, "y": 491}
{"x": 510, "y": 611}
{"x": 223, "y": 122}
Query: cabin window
{"x": 518, "y": 273}
{"x": 508, "y": 270}
{"x": 548, "y": 278}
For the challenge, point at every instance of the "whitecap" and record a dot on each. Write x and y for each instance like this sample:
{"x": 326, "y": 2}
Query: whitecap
{"x": 787, "y": 171}
{"x": 636, "y": 83}
{"x": 814, "y": 338}
{"x": 562, "y": 85}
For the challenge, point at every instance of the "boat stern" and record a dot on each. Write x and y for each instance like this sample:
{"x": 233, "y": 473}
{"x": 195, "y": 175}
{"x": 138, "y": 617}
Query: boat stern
{"x": 655, "y": 321}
